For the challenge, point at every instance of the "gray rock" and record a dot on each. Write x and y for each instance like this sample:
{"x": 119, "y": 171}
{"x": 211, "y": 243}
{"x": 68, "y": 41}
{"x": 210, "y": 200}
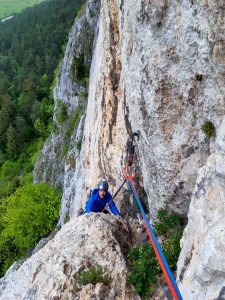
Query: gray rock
{"x": 201, "y": 266}
{"x": 53, "y": 272}
{"x": 145, "y": 74}
{"x": 40, "y": 245}
{"x": 144, "y": 77}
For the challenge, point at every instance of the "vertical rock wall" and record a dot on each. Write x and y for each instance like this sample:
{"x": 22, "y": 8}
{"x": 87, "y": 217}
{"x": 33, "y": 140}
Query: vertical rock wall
{"x": 158, "y": 66}
{"x": 173, "y": 82}
{"x": 58, "y": 159}
{"x": 105, "y": 133}
{"x": 201, "y": 266}
{"x": 169, "y": 81}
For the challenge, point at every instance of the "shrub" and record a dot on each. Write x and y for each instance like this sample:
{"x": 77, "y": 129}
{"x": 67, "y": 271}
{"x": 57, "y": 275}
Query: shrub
{"x": 144, "y": 269}
{"x": 65, "y": 150}
{"x": 87, "y": 68}
{"x": 53, "y": 84}
{"x": 9, "y": 174}
{"x": 73, "y": 122}
{"x": 81, "y": 11}
{"x": 10, "y": 169}
{"x": 27, "y": 215}
{"x": 171, "y": 249}
{"x": 80, "y": 71}
{"x": 209, "y": 129}
{"x": 39, "y": 126}
{"x": 2, "y": 157}
{"x": 166, "y": 221}
{"x": 17, "y": 172}
{"x": 78, "y": 145}
{"x": 94, "y": 275}
{"x": 66, "y": 218}
{"x": 62, "y": 112}
{"x": 144, "y": 265}
{"x": 27, "y": 178}
{"x": 8, "y": 254}
{"x": 32, "y": 153}
{"x": 78, "y": 68}
{"x": 84, "y": 93}
{"x": 91, "y": 13}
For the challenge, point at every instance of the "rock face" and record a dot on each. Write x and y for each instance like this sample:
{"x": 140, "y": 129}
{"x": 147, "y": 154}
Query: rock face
{"x": 143, "y": 76}
{"x": 53, "y": 159}
{"x": 201, "y": 267}
{"x": 158, "y": 69}
{"x": 105, "y": 132}
{"x": 157, "y": 66}
{"x": 53, "y": 272}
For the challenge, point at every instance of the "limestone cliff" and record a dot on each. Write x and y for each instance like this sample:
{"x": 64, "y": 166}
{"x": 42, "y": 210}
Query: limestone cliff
{"x": 201, "y": 267}
{"x": 157, "y": 66}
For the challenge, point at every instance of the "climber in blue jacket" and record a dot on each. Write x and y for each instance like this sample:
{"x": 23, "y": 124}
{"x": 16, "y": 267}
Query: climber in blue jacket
{"x": 99, "y": 198}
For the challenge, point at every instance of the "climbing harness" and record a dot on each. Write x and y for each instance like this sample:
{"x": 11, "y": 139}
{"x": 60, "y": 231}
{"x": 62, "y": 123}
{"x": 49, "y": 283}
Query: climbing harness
{"x": 129, "y": 176}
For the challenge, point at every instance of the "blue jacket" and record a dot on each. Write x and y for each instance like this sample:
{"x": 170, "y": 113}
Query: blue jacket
{"x": 96, "y": 204}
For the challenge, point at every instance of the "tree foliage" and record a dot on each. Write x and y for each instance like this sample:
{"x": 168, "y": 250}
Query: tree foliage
{"x": 11, "y": 141}
{"x": 209, "y": 129}
{"x": 94, "y": 275}
{"x": 26, "y": 216}
{"x": 145, "y": 268}
{"x": 30, "y": 49}
{"x": 31, "y": 46}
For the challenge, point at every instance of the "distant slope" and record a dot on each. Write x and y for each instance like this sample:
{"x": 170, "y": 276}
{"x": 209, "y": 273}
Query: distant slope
{"x": 9, "y": 7}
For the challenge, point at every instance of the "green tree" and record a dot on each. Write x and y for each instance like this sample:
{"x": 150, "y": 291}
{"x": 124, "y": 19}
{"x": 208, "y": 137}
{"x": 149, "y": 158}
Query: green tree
{"x": 31, "y": 213}
{"x": 30, "y": 50}
{"x": 44, "y": 85}
{"x": 6, "y": 118}
{"x": 35, "y": 111}
{"x": 40, "y": 128}
{"x": 144, "y": 269}
{"x": 4, "y": 82}
{"x": 28, "y": 215}
{"x": 11, "y": 142}
{"x": 23, "y": 130}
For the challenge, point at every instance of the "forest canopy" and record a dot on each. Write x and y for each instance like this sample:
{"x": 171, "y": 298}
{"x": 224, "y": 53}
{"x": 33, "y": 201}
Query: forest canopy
{"x": 31, "y": 45}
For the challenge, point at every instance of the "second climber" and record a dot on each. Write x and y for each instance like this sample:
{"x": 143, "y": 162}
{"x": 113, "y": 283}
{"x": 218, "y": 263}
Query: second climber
{"x": 99, "y": 198}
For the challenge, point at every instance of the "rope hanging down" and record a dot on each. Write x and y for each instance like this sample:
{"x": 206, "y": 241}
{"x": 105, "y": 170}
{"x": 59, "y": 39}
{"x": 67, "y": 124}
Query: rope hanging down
{"x": 129, "y": 177}
{"x": 156, "y": 246}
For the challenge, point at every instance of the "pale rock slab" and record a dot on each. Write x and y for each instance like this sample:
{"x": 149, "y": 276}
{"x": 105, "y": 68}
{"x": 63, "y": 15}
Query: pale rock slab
{"x": 52, "y": 272}
{"x": 201, "y": 266}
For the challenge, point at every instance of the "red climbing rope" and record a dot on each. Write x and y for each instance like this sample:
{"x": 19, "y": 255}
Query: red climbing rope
{"x": 130, "y": 174}
{"x": 157, "y": 248}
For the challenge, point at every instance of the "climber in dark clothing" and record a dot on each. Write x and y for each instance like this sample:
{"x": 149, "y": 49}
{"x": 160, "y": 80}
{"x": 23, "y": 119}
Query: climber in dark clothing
{"x": 99, "y": 198}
